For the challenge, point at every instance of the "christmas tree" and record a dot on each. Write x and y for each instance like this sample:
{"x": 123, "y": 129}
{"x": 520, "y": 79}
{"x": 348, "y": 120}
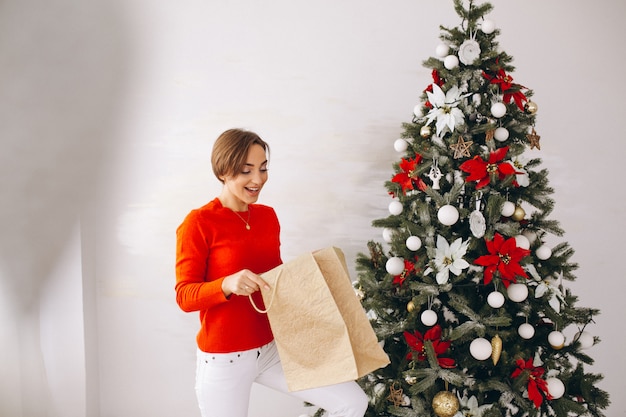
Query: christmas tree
{"x": 468, "y": 296}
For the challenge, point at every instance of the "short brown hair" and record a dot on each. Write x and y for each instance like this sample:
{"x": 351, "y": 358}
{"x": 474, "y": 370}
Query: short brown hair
{"x": 230, "y": 151}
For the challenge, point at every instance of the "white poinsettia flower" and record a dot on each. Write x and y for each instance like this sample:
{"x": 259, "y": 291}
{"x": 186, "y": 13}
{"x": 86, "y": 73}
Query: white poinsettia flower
{"x": 468, "y": 407}
{"x": 549, "y": 286}
{"x": 445, "y": 109}
{"x": 449, "y": 258}
{"x": 521, "y": 175}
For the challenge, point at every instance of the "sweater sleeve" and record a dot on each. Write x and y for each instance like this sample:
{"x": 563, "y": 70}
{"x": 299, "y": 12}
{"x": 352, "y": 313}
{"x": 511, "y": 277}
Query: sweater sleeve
{"x": 193, "y": 292}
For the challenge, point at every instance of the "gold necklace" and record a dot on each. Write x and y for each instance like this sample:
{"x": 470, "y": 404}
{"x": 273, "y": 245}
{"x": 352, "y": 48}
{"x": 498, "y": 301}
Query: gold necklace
{"x": 247, "y": 222}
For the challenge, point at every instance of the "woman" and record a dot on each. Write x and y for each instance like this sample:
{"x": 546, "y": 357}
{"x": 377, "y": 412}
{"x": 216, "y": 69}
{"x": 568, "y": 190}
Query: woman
{"x": 222, "y": 248}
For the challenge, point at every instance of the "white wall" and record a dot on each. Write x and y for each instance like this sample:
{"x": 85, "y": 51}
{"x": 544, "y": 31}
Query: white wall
{"x": 328, "y": 84}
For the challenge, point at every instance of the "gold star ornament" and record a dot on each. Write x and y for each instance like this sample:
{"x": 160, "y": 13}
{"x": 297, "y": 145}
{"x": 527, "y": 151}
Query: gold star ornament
{"x": 461, "y": 148}
{"x": 533, "y": 137}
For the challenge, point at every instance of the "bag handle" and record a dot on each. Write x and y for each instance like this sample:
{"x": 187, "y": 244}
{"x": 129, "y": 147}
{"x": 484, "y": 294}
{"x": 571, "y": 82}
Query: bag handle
{"x": 271, "y": 299}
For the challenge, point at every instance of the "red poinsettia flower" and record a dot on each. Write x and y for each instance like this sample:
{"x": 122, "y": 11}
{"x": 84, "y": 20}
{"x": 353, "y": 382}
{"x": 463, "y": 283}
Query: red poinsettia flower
{"x": 536, "y": 384}
{"x": 436, "y": 80}
{"x": 409, "y": 268}
{"x": 408, "y": 178}
{"x": 416, "y": 342}
{"x": 482, "y": 171}
{"x": 504, "y": 257}
{"x": 509, "y": 89}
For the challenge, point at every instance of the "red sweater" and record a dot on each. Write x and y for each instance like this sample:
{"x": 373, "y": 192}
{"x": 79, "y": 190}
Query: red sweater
{"x": 212, "y": 243}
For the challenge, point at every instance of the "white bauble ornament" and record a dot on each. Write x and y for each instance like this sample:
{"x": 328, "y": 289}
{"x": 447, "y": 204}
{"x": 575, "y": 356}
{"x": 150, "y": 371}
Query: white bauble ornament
{"x": 400, "y": 145}
{"x": 417, "y": 110}
{"x": 451, "y": 62}
{"x": 395, "y": 207}
{"x": 501, "y": 134}
{"x": 428, "y": 317}
{"x": 517, "y": 292}
{"x": 413, "y": 243}
{"x": 480, "y": 348}
{"x": 448, "y": 215}
{"x": 526, "y": 331}
{"x": 395, "y": 265}
{"x": 556, "y": 339}
{"x": 508, "y": 208}
{"x": 543, "y": 252}
{"x": 585, "y": 339}
{"x": 522, "y": 241}
{"x": 556, "y": 388}
{"x": 530, "y": 235}
{"x": 498, "y": 110}
{"x": 442, "y": 50}
{"x": 387, "y": 234}
{"x": 495, "y": 299}
{"x": 488, "y": 26}
{"x": 477, "y": 99}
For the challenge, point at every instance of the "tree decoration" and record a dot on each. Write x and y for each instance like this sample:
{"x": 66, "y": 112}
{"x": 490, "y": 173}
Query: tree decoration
{"x": 517, "y": 292}
{"x": 448, "y": 214}
{"x": 483, "y": 172}
{"x": 466, "y": 290}
{"x": 417, "y": 343}
{"x": 477, "y": 222}
{"x": 445, "y": 109}
{"x": 496, "y": 349}
{"x": 508, "y": 208}
{"x": 510, "y": 90}
{"x": 556, "y": 339}
{"x": 449, "y": 258}
{"x": 488, "y": 26}
{"x": 533, "y": 138}
{"x": 396, "y": 395}
{"x": 531, "y": 107}
{"x": 400, "y": 145}
{"x": 409, "y": 268}
{"x": 408, "y": 177}
{"x": 395, "y": 208}
{"x": 501, "y": 134}
{"x": 495, "y": 299}
{"x": 503, "y": 258}
{"x": 461, "y": 148}
{"x": 536, "y": 385}
{"x": 428, "y": 317}
{"x": 445, "y": 404}
{"x": 498, "y": 110}
{"x": 435, "y": 175}
{"x": 480, "y": 348}
{"x": 526, "y": 331}
{"x": 413, "y": 243}
{"x": 556, "y": 388}
{"x": 469, "y": 51}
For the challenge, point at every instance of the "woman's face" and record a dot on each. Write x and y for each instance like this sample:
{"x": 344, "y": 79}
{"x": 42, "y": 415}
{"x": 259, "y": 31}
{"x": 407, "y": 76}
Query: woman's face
{"x": 244, "y": 188}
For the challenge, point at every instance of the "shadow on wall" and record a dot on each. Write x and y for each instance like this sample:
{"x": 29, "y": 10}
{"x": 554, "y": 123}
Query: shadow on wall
{"x": 62, "y": 66}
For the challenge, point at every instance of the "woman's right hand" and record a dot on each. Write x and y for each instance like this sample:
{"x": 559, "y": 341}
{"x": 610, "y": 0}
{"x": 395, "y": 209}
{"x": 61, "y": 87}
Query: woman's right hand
{"x": 244, "y": 282}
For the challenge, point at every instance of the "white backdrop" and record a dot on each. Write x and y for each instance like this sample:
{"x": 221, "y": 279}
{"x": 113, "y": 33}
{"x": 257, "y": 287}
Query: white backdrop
{"x": 147, "y": 85}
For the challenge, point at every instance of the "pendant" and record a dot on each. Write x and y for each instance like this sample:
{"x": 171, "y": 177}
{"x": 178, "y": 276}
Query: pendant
{"x": 247, "y": 226}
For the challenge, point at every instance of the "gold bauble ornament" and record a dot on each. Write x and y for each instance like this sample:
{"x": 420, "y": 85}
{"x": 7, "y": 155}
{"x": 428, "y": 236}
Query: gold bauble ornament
{"x": 496, "y": 349}
{"x": 445, "y": 404}
{"x": 531, "y": 107}
{"x": 410, "y": 306}
{"x": 425, "y": 132}
{"x": 518, "y": 214}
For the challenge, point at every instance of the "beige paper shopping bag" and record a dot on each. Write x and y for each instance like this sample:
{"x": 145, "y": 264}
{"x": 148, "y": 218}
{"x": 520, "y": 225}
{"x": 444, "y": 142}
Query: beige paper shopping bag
{"x": 322, "y": 333}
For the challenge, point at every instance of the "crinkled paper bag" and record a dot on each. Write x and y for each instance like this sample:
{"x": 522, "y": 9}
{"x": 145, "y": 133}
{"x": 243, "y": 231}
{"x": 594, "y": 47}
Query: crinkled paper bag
{"x": 322, "y": 333}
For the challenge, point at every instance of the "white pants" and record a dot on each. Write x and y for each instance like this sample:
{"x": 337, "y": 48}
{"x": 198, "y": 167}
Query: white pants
{"x": 224, "y": 382}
